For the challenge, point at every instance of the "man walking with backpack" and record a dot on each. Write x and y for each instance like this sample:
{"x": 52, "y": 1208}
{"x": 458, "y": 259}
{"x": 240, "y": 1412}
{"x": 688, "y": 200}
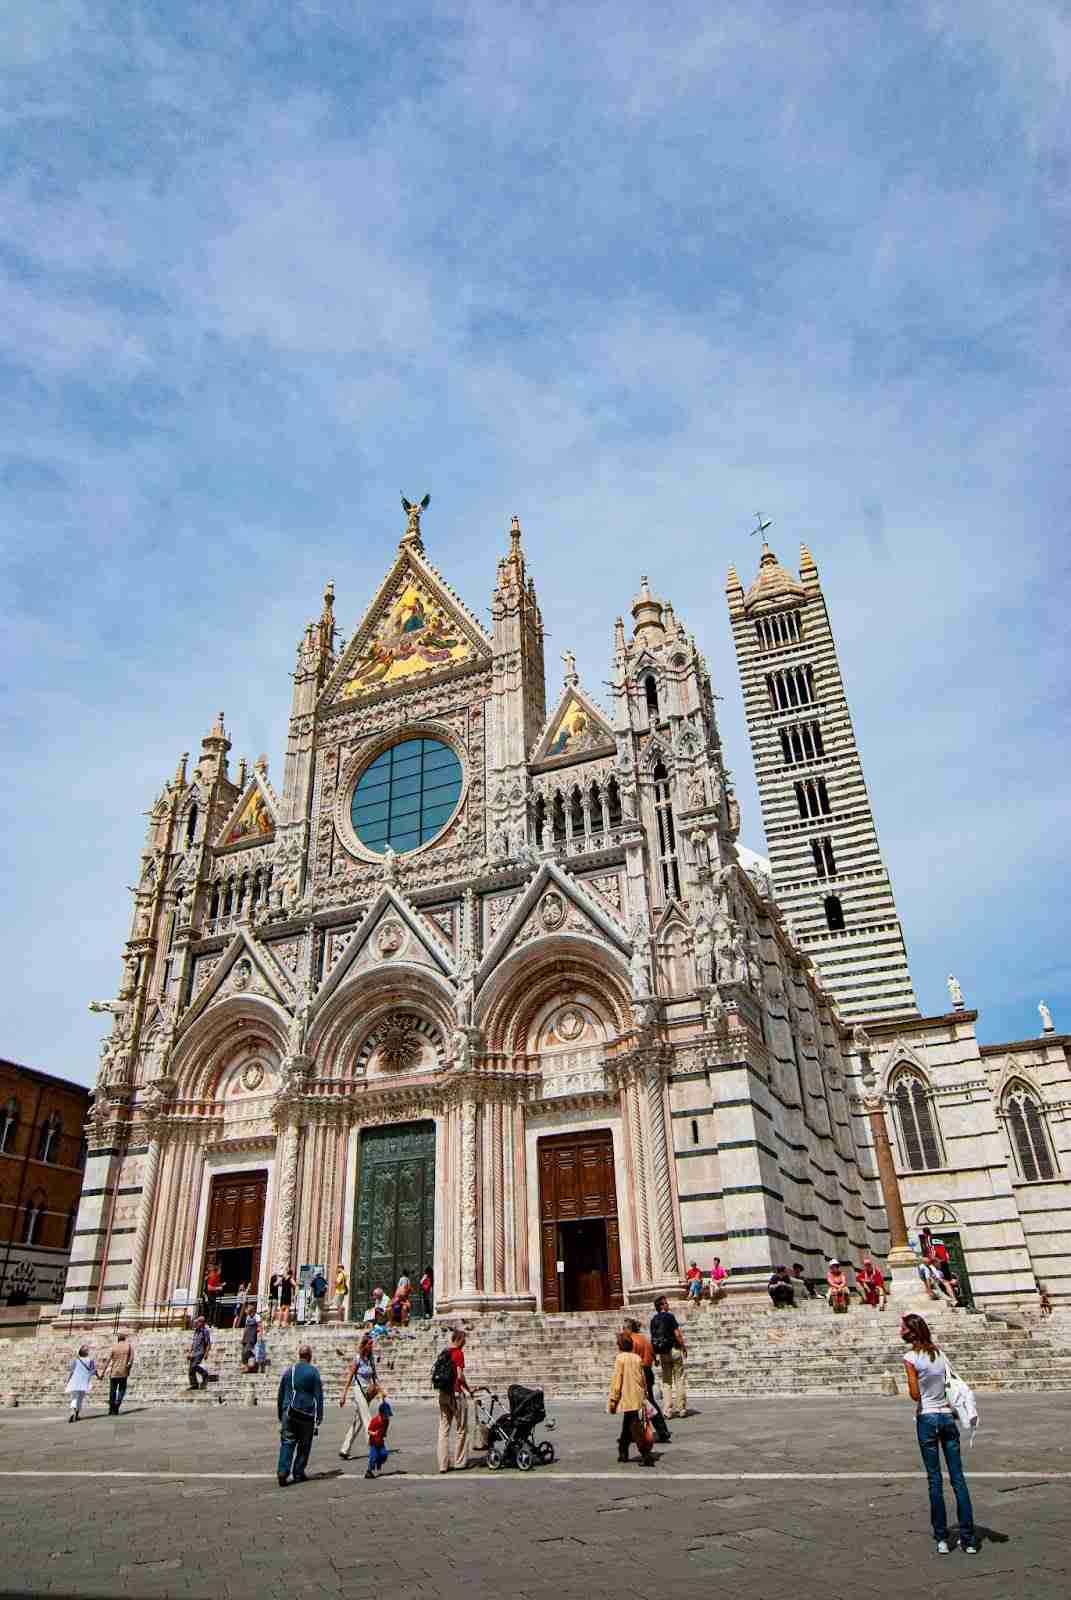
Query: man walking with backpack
{"x": 448, "y": 1378}
{"x": 671, "y": 1350}
{"x": 300, "y": 1404}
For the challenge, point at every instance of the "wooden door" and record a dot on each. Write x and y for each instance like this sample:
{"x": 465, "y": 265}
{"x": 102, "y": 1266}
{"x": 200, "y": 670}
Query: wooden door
{"x": 576, "y": 1183}
{"x": 236, "y": 1215}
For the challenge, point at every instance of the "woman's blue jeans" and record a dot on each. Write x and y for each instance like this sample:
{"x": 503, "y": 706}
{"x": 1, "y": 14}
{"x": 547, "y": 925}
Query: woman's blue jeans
{"x": 937, "y": 1431}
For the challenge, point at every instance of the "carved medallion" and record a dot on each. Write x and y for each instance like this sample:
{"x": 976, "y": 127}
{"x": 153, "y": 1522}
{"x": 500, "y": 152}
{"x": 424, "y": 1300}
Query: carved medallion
{"x": 389, "y": 939}
{"x": 552, "y": 911}
{"x": 399, "y": 1044}
{"x": 252, "y": 1076}
{"x": 243, "y": 974}
{"x": 570, "y": 1023}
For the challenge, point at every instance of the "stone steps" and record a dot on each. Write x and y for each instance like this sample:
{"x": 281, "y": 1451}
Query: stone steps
{"x": 742, "y": 1349}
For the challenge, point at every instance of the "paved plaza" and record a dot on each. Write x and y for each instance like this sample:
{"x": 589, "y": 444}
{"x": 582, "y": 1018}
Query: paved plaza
{"x": 768, "y": 1497}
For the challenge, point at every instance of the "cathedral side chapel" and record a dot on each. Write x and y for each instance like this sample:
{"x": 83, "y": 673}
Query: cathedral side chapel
{"x": 491, "y": 986}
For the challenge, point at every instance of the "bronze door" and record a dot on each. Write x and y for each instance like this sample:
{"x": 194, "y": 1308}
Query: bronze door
{"x": 395, "y": 1208}
{"x": 578, "y": 1222}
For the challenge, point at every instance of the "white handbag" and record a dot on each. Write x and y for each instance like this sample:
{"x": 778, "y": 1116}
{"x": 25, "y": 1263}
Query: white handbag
{"x": 960, "y": 1397}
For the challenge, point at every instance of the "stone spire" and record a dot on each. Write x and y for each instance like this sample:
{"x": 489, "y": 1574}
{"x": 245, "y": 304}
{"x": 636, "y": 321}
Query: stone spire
{"x": 214, "y": 747}
{"x": 647, "y": 616}
{"x": 325, "y": 638}
{"x": 773, "y": 583}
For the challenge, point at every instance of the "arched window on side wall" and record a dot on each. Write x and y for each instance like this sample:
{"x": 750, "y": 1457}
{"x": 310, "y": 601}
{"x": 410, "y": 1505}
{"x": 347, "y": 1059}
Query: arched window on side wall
{"x": 920, "y": 1145}
{"x": 650, "y": 689}
{"x": 1029, "y": 1138}
{"x": 9, "y": 1122}
{"x": 47, "y": 1138}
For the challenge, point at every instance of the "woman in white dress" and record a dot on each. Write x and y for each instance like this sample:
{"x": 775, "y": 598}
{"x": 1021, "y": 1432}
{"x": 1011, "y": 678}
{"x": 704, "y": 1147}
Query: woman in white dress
{"x": 80, "y": 1380}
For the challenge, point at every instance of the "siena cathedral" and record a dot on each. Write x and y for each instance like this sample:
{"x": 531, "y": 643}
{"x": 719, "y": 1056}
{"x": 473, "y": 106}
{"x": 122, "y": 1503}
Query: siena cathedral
{"x": 494, "y": 987}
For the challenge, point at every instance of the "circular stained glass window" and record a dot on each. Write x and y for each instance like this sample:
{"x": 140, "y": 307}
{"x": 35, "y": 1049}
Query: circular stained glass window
{"x": 406, "y": 796}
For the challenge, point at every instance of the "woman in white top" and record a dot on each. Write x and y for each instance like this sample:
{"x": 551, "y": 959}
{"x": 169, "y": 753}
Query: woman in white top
{"x": 935, "y": 1424}
{"x": 80, "y": 1380}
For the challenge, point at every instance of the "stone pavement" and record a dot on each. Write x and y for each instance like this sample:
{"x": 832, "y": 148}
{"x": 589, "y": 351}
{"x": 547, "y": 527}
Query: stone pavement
{"x": 764, "y": 1497}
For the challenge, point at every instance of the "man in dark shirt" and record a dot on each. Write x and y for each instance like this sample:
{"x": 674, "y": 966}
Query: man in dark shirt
{"x": 300, "y": 1404}
{"x": 199, "y": 1348}
{"x": 670, "y": 1348}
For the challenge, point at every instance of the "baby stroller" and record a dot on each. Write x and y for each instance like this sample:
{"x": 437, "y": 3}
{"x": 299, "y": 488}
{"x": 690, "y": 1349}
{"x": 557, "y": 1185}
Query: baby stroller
{"x": 509, "y": 1433}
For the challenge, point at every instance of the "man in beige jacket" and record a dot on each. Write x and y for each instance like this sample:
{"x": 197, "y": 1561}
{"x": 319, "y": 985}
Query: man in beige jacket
{"x": 116, "y": 1369}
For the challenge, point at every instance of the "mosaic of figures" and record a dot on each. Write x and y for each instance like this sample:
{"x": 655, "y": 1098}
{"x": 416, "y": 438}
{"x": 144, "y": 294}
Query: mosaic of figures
{"x": 576, "y": 730}
{"x": 414, "y": 637}
{"x": 254, "y": 820}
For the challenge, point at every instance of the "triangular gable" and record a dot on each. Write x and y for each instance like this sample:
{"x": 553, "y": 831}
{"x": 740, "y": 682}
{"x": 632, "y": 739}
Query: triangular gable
{"x": 416, "y": 627}
{"x": 254, "y": 815}
{"x": 901, "y": 1053}
{"x": 266, "y": 978}
{"x": 377, "y": 938}
{"x": 527, "y": 919}
{"x": 576, "y": 727}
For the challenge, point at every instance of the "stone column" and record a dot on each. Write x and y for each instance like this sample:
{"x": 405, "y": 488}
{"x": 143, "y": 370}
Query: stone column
{"x": 900, "y": 1252}
{"x": 141, "y": 1234}
{"x": 284, "y": 1225}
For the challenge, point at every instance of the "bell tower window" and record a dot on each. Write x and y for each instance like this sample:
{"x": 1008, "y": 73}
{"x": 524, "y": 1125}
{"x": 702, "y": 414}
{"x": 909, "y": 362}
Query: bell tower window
{"x": 667, "y": 834}
{"x": 650, "y": 690}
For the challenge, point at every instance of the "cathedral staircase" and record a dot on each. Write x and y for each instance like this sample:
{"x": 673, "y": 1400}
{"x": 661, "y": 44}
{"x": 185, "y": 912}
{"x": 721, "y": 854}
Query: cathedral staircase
{"x": 734, "y": 1349}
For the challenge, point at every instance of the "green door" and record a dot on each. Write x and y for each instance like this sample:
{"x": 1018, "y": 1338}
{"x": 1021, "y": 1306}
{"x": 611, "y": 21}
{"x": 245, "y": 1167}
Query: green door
{"x": 957, "y": 1261}
{"x": 395, "y": 1230}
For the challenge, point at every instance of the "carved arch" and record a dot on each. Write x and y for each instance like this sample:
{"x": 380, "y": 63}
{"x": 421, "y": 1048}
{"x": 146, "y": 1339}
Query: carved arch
{"x": 206, "y": 1050}
{"x": 520, "y": 987}
{"x": 360, "y": 1006}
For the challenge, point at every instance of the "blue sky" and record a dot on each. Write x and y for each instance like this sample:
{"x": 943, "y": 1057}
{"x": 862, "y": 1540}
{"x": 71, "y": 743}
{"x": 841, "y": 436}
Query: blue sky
{"x": 631, "y": 272}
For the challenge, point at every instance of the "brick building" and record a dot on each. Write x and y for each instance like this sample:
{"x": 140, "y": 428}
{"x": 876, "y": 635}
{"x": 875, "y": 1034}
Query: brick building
{"x": 42, "y": 1161}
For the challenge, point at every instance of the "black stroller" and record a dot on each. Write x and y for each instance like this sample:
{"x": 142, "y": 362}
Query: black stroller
{"x": 509, "y": 1433}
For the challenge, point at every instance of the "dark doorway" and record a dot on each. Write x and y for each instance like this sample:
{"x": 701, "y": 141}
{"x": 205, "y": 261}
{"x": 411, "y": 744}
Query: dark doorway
{"x": 235, "y": 1228}
{"x": 395, "y": 1229}
{"x": 957, "y": 1261}
{"x": 580, "y": 1245}
{"x": 585, "y": 1280}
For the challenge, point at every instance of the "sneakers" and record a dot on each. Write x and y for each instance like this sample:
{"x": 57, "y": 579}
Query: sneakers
{"x": 942, "y": 1547}
{"x": 369, "y": 1474}
{"x": 970, "y": 1549}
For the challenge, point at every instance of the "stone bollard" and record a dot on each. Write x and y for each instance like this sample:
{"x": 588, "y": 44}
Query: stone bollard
{"x": 9, "y": 1399}
{"x": 250, "y": 1398}
{"x": 889, "y": 1384}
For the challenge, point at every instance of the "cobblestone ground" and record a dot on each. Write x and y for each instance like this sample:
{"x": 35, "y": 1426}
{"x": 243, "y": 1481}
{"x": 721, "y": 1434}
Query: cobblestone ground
{"x": 763, "y": 1498}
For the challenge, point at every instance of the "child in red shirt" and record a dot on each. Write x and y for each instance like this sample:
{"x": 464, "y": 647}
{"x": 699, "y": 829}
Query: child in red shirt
{"x": 377, "y": 1433}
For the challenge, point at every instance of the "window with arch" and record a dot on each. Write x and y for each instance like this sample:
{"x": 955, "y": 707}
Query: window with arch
{"x": 48, "y": 1138}
{"x": 1029, "y": 1139}
{"x": 35, "y": 1210}
{"x": 920, "y": 1144}
{"x": 9, "y": 1122}
{"x": 667, "y": 835}
{"x": 650, "y": 691}
{"x": 191, "y": 823}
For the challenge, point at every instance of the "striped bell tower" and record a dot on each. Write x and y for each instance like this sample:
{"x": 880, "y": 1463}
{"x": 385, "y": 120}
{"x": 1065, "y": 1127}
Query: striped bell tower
{"x": 828, "y": 875}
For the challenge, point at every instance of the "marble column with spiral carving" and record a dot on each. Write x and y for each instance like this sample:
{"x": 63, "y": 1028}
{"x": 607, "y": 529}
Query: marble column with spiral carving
{"x": 661, "y": 1177}
{"x": 284, "y": 1225}
{"x": 468, "y": 1197}
{"x": 144, "y": 1223}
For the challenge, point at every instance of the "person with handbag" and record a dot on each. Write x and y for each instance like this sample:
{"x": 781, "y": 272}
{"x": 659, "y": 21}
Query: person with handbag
{"x": 645, "y": 1350}
{"x": 628, "y": 1394}
{"x": 928, "y": 1378}
{"x": 300, "y": 1404}
{"x": 363, "y": 1381}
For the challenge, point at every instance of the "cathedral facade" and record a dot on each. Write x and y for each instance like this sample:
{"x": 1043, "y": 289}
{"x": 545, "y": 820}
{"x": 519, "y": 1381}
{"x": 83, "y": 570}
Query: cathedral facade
{"x": 493, "y": 989}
